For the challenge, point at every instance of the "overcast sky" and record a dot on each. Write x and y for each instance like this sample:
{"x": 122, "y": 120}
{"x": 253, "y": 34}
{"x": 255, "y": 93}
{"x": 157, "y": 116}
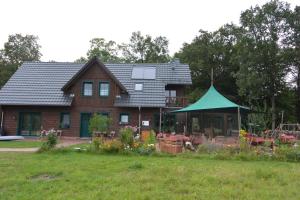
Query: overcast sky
{"x": 64, "y": 27}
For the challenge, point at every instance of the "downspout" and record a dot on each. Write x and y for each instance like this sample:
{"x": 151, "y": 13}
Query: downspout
{"x": 139, "y": 120}
{"x": 1, "y": 126}
{"x": 159, "y": 120}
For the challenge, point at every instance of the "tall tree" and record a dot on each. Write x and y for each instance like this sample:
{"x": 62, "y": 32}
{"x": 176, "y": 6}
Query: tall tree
{"x": 21, "y": 48}
{"x": 106, "y": 51}
{"x": 143, "y": 49}
{"x": 260, "y": 53}
{"x": 16, "y": 50}
{"x": 293, "y": 53}
{"x": 212, "y": 50}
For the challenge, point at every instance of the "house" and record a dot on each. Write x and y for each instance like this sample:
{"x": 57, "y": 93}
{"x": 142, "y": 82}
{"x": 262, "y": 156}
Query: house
{"x": 45, "y": 95}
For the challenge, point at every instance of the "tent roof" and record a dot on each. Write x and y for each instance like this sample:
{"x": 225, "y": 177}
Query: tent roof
{"x": 212, "y": 99}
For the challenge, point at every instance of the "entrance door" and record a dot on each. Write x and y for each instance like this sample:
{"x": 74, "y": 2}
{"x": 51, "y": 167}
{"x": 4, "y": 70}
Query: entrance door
{"x": 30, "y": 124}
{"x": 84, "y": 124}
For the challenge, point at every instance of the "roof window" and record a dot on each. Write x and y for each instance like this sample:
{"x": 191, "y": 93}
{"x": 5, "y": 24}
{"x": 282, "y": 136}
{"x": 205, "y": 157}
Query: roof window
{"x": 143, "y": 73}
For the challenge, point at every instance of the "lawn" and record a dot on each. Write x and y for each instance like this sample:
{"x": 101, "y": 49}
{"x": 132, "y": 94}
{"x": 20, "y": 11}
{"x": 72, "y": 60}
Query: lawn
{"x": 89, "y": 176}
{"x": 20, "y": 144}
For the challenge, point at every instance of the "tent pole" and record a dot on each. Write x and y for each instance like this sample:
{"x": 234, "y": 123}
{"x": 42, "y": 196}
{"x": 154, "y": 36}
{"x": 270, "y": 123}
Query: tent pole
{"x": 239, "y": 119}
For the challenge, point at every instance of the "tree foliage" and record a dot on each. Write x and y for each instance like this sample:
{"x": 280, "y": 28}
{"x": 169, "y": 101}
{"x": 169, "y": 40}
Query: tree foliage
{"x": 16, "y": 50}
{"x": 142, "y": 49}
{"x": 21, "y": 48}
{"x": 261, "y": 54}
{"x": 212, "y": 50}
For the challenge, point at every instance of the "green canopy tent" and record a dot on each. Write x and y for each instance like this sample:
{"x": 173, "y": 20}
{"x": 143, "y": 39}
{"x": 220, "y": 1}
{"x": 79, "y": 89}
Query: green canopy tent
{"x": 213, "y": 101}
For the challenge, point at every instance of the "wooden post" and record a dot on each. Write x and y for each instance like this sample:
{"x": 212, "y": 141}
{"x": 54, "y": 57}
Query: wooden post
{"x": 212, "y": 76}
{"x": 159, "y": 120}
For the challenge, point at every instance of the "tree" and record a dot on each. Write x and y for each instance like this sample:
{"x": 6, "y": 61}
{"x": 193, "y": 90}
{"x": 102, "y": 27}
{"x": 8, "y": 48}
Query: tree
{"x": 16, "y": 50}
{"x": 212, "y": 50}
{"x": 261, "y": 54}
{"x": 106, "y": 51}
{"x": 143, "y": 49}
{"x": 293, "y": 53}
{"x": 20, "y": 48}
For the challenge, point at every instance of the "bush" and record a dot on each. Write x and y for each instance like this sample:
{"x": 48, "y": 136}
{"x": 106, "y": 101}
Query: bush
{"x": 99, "y": 123}
{"x": 97, "y": 142}
{"x": 127, "y": 136}
{"x": 112, "y": 146}
{"x": 51, "y": 140}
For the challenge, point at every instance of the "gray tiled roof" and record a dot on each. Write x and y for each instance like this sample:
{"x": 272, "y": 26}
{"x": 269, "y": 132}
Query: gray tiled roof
{"x": 40, "y": 83}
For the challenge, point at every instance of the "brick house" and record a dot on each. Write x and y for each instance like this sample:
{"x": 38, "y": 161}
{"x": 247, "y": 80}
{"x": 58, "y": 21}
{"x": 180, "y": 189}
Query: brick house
{"x": 45, "y": 95}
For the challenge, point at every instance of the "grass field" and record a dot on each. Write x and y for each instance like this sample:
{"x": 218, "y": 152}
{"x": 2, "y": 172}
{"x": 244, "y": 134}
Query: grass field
{"x": 20, "y": 144}
{"x": 89, "y": 176}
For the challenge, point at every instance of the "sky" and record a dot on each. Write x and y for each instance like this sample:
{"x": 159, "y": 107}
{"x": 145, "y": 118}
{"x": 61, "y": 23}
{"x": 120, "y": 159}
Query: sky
{"x": 65, "y": 27}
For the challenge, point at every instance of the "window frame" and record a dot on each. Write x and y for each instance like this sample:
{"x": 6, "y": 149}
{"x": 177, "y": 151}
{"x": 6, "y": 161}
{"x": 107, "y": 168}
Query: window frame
{"x": 82, "y": 89}
{"x": 120, "y": 117}
{"x": 61, "y": 118}
{"x": 104, "y": 82}
{"x": 138, "y": 84}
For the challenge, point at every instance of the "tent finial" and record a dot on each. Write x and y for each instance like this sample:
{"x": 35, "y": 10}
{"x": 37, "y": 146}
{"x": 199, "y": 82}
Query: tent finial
{"x": 212, "y": 76}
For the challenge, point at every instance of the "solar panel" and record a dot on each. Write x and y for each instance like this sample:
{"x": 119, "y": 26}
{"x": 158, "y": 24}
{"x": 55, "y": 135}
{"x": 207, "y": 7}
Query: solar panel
{"x": 143, "y": 73}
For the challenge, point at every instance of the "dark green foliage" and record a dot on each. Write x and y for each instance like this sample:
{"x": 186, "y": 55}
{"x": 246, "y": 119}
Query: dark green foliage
{"x": 99, "y": 123}
{"x": 16, "y": 50}
{"x": 126, "y": 136}
{"x": 212, "y": 50}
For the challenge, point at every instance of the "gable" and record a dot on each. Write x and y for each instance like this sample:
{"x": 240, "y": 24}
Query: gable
{"x": 93, "y": 62}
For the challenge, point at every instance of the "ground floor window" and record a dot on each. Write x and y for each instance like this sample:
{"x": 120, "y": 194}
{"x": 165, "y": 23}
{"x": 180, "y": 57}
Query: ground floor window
{"x": 30, "y": 123}
{"x": 124, "y": 118}
{"x": 65, "y": 120}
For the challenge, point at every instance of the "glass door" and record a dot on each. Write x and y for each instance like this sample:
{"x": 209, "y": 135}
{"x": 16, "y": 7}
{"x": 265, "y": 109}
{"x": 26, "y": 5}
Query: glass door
{"x": 30, "y": 124}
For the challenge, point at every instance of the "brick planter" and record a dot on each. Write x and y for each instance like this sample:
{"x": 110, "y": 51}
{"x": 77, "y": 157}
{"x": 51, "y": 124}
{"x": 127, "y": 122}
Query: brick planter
{"x": 172, "y": 147}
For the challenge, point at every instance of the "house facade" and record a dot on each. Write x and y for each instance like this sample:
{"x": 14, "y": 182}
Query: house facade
{"x": 64, "y": 96}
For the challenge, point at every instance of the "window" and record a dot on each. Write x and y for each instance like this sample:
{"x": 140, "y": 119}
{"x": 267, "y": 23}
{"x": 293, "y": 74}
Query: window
{"x": 65, "y": 120}
{"x": 143, "y": 73}
{"x": 138, "y": 86}
{"x": 104, "y": 89}
{"x": 170, "y": 93}
{"x": 124, "y": 118}
{"x": 87, "y": 88}
{"x": 106, "y": 114}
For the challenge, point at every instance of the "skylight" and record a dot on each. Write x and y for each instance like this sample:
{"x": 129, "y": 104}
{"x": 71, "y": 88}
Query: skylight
{"x": 143, "y": 73}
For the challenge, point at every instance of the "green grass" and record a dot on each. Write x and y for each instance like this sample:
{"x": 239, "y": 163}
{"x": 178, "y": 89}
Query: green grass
{"x": 20, "y": 144}
{"x": 72, "y": 175}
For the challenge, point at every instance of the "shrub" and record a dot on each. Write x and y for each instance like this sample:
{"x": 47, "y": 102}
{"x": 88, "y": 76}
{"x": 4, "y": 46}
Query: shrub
{"x": 127, "y": 136}
{"x": 99, "y": 123}
{"x": 51, "y": 140}
{"x": 145, "y": 149}
{"x": 96, "y": 142}
{"x": 112, "y": 146}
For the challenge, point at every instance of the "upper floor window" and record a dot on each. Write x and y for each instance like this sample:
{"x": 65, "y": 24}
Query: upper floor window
{"x": 138, "y": 86}
{"x": 87, "y": 89}
{"x": 104, "y": 89}
{"x": 170, "y": 93}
